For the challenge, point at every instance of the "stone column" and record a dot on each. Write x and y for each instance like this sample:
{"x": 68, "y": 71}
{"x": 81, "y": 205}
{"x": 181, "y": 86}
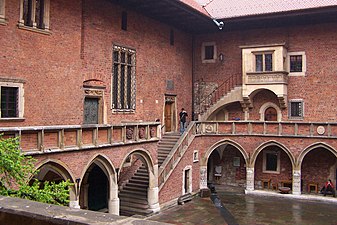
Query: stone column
{"x": 296, "y": 182}
{"x": 250, "y": 178}
{"x": 203, "y": 177}
{"x": 152, "y": 198}
{"x": 153, "y": 190}
{"x": 114, "y": 201}
{"x": 74, "y": 201}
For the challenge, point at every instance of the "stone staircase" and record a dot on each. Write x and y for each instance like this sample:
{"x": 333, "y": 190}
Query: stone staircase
{"x": 165, "y": 146}
{"x": 133, "y": 196}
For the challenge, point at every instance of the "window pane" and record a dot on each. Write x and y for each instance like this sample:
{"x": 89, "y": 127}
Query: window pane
{"x": 39, "y": 13}
{"x": 209, "y": 52}
{"x": 9, "y": 102}
{"x": 295, "y": 109}
{"x": 27, "y": 12}
{"x": 296, "y": 63}
{"x": 271, "y": 161}
{"x": 258, "y": 63}
{"x": 268, "y": 62}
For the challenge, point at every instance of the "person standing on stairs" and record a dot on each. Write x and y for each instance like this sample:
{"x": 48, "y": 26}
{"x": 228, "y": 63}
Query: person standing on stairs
{"x": 182, "y": 116}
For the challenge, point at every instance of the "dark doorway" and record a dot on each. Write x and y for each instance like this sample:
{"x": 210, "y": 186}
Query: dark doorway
{"x": 97, "y": 190}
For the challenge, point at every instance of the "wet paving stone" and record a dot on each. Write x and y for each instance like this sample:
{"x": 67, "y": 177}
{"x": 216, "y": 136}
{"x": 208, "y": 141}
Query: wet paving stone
{"x": 252, "y": 210}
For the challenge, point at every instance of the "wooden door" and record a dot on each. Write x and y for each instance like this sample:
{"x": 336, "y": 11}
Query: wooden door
{"x": 91, "y": 111}
{"x": 270, "y": 114}
{"x": 168, "y": 117}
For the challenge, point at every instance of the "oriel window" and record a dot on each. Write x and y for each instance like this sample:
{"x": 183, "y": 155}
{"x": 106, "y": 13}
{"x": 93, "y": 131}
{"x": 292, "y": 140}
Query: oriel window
{"x": 263, "y": 62}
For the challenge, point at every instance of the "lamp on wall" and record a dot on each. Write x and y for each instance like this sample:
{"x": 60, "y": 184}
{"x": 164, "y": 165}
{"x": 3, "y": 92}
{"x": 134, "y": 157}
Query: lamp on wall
{"x": 221, "y": 57}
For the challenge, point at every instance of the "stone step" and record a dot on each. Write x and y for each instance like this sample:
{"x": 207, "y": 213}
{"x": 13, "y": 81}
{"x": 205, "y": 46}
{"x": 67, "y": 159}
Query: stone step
{"x": 129, "y": 211}
{"x": 136, "y": 180}
{"x": 127, "y": 195}
{"x": 139, "y": 185}
{"x": 135, "y": 188}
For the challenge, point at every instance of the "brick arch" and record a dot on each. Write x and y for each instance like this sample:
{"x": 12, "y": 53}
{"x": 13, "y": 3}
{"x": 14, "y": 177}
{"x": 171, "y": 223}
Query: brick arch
{"x": 312, "y": 147}
{"x": 58, "y": 166}
{"x": 207, "y": 154}
{"x": 271, "y": 143}
{"x": 105, "y": 164}
{"x": 63, "y": 170}
{"x": 147, "y": 160}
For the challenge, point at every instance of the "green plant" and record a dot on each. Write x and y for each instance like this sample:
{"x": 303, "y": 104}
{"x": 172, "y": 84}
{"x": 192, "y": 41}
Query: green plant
{"x": 16, "y": 172}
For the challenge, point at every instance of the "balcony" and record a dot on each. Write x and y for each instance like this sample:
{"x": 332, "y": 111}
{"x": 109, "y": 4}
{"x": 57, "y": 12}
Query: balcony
{"x": 49, "y": 139}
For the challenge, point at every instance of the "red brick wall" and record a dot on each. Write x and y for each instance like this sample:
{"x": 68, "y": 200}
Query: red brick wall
{"x": 316, "y": 88}
{"x": 55, "y": 66}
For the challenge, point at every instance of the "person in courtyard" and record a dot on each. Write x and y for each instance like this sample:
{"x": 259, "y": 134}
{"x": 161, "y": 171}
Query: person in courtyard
{"x": 328, "y": 188}
{"x": 182, "y": 116}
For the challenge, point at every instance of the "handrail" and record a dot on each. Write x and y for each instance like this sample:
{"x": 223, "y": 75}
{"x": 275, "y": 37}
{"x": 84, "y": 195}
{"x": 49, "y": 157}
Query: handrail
{"x": 176, "y": 154}
{"x": 217, "y": 93}
{"x": 48, "y": 139}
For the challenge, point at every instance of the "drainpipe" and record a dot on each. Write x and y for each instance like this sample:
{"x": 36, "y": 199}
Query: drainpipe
{"x": 193, "y": 78}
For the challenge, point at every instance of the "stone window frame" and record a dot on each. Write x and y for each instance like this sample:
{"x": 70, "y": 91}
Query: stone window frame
{"x": 195, "y": 156}
{"x": 264, "y": 164}
{"x": 17, "y": 83}
{"x": 116, "y": 81}
{"x": 46, "y": 18}
{"x": 3, "y": 20}
{"x": 301, "y": 116}
{"x": 263, "y": 53}
{"x": 203, "y": 52}
{"x": 189, "y": 168}
{"x": 304, "y": 63}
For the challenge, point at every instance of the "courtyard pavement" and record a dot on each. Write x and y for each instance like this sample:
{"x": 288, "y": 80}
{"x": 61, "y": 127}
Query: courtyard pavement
{"x": 254, "y": 208}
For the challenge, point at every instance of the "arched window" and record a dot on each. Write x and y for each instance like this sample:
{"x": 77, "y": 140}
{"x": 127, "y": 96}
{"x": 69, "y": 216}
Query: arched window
{"x": 270, "y": 114}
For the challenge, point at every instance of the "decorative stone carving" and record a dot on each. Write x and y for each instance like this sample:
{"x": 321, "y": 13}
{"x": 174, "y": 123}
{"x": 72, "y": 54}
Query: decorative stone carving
{"x": 269, "y": 78}
{"x": 153, "y": 132}
{"x": 209, "y": 128}
{"x": 141, "y": 132}
{"x": 94, "y": 92}
{"x": 129, "y": 133}
{"x": 320, "y": 130}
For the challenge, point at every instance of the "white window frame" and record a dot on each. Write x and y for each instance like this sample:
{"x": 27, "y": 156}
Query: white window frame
{"x": 264, "y": 169}
{"x": 301, "y": 117}
{"x": 4, "y": 82}
{"x": 263, "y": 53}
{"x": 195, "y": 156}
{"x": 304, "y": 64}
{"x": 46, "y": 18}
{"x": 203, "y": 52}
{"x": 189, "y": 167}
{"x": 3, "y": 12}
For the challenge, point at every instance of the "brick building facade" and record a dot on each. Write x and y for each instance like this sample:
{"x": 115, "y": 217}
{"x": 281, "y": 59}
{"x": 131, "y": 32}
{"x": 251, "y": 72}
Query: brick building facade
{"x": 93, "y": 88}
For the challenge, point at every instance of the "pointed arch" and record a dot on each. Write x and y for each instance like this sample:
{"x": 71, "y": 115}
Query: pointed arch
{"x": 312, "y": 147}
{"x": 271, "y": 143}
{"x": 206, "y": 156}
{"x": 57, "y": 166}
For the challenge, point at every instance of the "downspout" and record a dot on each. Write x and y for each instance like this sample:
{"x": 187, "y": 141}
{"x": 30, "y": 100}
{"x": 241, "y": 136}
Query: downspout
{"x": 193, "y": 76}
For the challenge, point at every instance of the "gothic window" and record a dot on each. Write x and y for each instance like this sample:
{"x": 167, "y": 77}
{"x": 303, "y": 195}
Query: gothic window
{"x": 123, "y": 79}
{"x": 263, "y": 62}
{"x": 35, "y": 14}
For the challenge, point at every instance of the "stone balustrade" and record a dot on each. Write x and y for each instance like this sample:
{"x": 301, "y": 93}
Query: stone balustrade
{"x": 47, "y": 139}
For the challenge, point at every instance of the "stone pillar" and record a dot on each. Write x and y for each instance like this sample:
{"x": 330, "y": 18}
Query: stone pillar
{"x": 74, "y": 204}
{"x": 203, "y": 177}
{"x": 296, "y": 182}
{"x": 152, "y": 198}
{"x": 114, "y": 201}
{"x": 153, "y": 190}
{"x": 249, "y": 179}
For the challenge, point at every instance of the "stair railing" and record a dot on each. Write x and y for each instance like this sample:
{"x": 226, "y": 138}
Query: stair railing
{"x": 176, "y": 154}
{"x": 217, "y": 93}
